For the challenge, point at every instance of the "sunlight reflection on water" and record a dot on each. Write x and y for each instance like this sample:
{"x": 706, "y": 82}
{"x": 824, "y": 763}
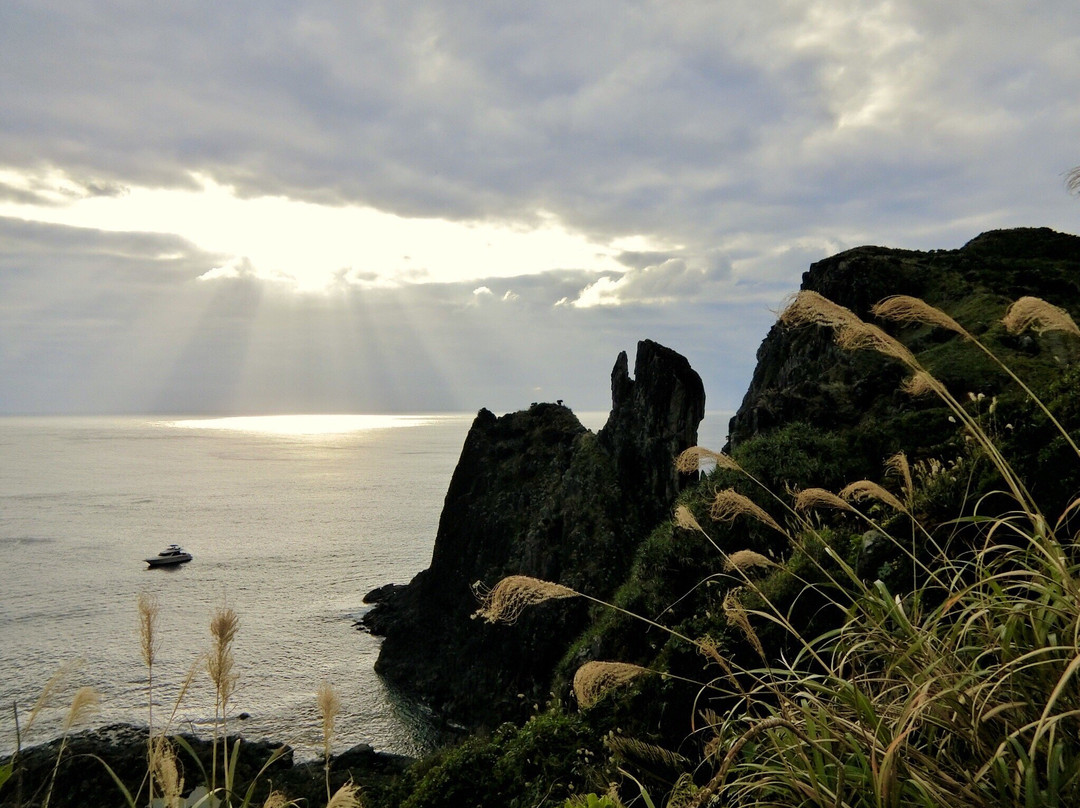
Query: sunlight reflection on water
{"x": 310, "y": 424}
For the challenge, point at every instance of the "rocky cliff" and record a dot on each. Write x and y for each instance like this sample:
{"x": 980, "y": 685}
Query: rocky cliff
{"x": 535, "y": 493}
{"x": 802, "y": 377}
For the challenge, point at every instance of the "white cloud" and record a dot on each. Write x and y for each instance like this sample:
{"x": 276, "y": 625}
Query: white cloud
{"x": 315, "y": 245}
{"x": 660, "y": 284}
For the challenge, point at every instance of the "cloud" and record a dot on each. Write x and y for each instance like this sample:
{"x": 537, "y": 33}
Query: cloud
{"x": 98, "y": 322}
{"x": 696, "y": 158}
{"x": 669, "y": 281}
{"x": 312, "y": 245}
{"x": 771, "y": 123}
{"x": 232, "y": 269}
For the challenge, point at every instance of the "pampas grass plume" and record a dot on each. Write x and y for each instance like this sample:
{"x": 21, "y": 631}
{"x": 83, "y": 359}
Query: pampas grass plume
{"x": 809, "y": 307}
{"x": 851, "y": 333}
{"x": 870, "y": 337}
{"x": 275, "y": 799}
{"x": 689, "y": 460}
{"x": 348, "y": 796}
{"x": 49, "y": 690}
{"x": 819, "y": 498}
{"x": 164, "y": 770}
{"x": 921, "y": 383}
{"x": 899, "y": 464}
{"x": 746, "y": 560}
{"x": 223, "y": 627}
{"x": 329, "y": 706}
{"x": 513, "y": 594}
{"x": 148, "y": 614}
{"x": 685, "y": 519}
{"x": 729, "y": 503}
{"x": 594, "y": 679}
{"x": 907, "y": 309}
{"x": 1035, "y": 313}
{"x": 83, "y": 703}
{"x": 865, "y": 489}
{"x": 736, "y": 615}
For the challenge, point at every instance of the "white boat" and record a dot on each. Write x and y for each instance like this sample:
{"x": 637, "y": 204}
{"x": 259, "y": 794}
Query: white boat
{"x": 173, "y": 554}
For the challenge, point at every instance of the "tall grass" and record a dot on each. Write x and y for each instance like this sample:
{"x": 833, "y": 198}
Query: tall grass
{"x": 164, "y": 778}
{"x": 964, "y": 690}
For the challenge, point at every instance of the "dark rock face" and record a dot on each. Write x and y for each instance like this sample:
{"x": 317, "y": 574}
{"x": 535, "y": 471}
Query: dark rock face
{"x": 802, "y": 376}
{"x": 82, "y": 779}
{"x": 535, "y": 493}
{"x": 652, "y": 420}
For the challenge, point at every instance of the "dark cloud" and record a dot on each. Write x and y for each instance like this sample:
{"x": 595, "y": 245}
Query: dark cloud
{"x": 772, "y": 122}
{"x": 746, "y": 141}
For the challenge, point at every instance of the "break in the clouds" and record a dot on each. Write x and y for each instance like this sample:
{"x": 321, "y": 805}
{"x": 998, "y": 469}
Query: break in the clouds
{"x": 305, "y": 244}
{"x": 383, "y": 205}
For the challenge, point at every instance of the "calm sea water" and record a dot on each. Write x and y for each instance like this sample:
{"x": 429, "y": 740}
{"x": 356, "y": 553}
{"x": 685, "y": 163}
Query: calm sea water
{"x": 290, "y": 523}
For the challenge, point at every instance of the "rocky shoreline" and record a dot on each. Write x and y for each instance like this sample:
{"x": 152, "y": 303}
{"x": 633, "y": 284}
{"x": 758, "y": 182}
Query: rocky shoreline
{"x": 82, "y": 778}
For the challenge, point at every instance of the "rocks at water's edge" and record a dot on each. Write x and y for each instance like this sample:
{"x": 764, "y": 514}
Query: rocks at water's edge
{"x": 535, "y": 493}
{"x": 82, "y": 779}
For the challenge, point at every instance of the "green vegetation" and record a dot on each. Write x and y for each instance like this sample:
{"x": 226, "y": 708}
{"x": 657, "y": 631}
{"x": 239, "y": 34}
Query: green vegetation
{"x": 542, "y": 762}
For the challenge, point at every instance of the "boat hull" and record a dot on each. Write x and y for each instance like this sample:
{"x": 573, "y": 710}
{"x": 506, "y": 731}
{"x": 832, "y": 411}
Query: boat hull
{"x": 172, "y": 561}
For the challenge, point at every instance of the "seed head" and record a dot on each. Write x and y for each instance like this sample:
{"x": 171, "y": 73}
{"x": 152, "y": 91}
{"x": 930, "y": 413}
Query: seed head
{"x": 736, "y": 615}
{"x": 865, "y": 489}
{"x": 729, "y": 503}
{"x": 50, "y": 689}
{"x": 685, "y": 519}
{"x": 512, "y": 595}
{"x": 921, "y": 383}
{"x": 851, "y": 333}
{"x": 870, "y": 337}
{"x": 223, "y": 626}
{"x": 84, "y": 702}
{"x": 689, "y": 460}
{"x": 819, "y": 498}
{"x": 898, "y": 463}
{"x": 746, "y": 560}
{"x": 594, "y": 679}
{"x": 148, "y": 614}
{"x": 907, "y": 309}
{"x": 1035, "y": 313}
{"x": 275, "y": 799}
{"x": 329, "y": 706}
{"x": 811, "y": 308}
{"x": 348, "y": 796}
{"x": 165, "y": 772}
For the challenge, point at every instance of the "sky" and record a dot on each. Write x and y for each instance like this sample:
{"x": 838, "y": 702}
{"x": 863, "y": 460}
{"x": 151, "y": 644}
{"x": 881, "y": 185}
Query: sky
{"x": 312, "y": 206}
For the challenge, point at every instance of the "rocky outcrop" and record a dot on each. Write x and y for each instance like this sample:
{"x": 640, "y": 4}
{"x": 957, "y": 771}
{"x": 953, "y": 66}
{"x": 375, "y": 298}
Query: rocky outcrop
{"x": 653, "y": 418}
{"x": 802, "y": 377}
{"x": 82, "y": 779}
{"x": 535, "y": 493}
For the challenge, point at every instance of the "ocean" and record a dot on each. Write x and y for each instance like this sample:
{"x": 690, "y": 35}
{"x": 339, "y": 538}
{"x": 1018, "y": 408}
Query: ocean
{"x": 291, "y": 521}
